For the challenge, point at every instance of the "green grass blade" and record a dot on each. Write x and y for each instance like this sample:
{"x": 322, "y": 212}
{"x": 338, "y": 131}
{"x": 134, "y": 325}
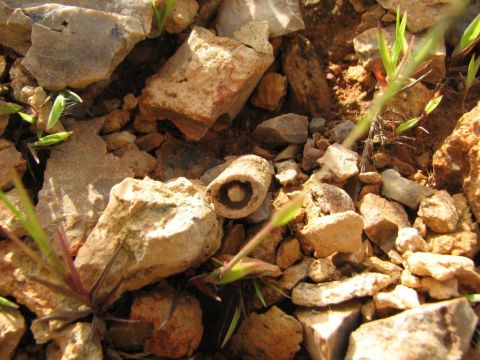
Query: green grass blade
{"x": 52, "y": 139}
{"x": 28, "y": 118}
{"x": 57, "y": 111}
{"x": 407, "y": 125}
{"x": 237, "y": 272}
{"x": 258, "y": 291}
{"x": 400, "y": 43}
{"x": 472, "y": 71}
{"x": 7, "y": 108}
{"x": 8, "y": 303}
{"x": 233, "y": 325}
{"x": 433, "y": 104}
{"x": 469, "y": 36}
{"x": 287, "y": 212}
{"x": 473, "y": 297}
{"x": 161, "y": 16}
{"x": 385, "y": 53}
{"x": 72, "y": 95}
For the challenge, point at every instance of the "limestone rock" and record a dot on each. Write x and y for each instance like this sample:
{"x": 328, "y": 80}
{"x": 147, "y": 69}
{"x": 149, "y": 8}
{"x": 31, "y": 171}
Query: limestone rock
{"x": 288, "y": 253}
{"x": 322, "y": 270}
{"x": 326, "y": 331}
{"x": 382, "y": 218}
{"x": 294, "y": 275}
{"x": 182, "y": 333}
{"x": 418, "y": 333}
{"x": 461, "y": 243}
{"x": 78, "y": 179}
{"x": 335, "y": 292}
{"x": 8, "y": 220}
{"x": 376, "y": 264}
{"x": 118, "y": 140}
{"x": 255, "y": 35}
{"x": 401, "y": 297}
{"x": 270, "y": 91}
{"x": 439, "y": 212}
{"x": 410, "y": 280}
{"x": 289, "y": 173}
{"x": 10, "y": 159}
{"x": 182, "y": 14}
{"x": 140, "y": 162}
{"x": 406, "y": 192}
{"x": 325, "y": 199}
{"x": 162, "y": 228}
{"x": 190, "y": 89}
{"x": 282, "y": 16}
{"x": 338, "y": 163}
{"x": 336, "y": 232}
{"x": 282, "y": 130}
{"x": 272, "y": 335}
{"x": 12, "y": 328}
{"x": 441, "y": 290}
{"x": 408, "y": 239}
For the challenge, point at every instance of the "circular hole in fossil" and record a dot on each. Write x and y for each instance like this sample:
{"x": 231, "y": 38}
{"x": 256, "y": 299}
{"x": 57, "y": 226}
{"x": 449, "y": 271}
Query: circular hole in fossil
{"x": 236, "y": 194}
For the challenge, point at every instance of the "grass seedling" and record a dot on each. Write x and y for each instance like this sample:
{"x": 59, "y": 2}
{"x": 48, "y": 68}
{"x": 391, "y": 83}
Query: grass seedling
{"x": 162, "y": 15}
{"x": 409, "y": 124}
{"x": 7, "y": 303}
{"x": 7, "y": 108}
{"x": 52, "y": 139}
{"x": 232, "y": 326}
{"x": 472, "y": 70}
{"x": 470, "y": 37}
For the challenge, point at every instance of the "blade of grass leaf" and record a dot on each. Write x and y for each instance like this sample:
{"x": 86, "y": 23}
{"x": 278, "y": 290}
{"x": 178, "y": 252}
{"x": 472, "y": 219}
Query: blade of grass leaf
{"x": 399, "y": 43}
{"x": 472, "y": 70}
{"x": 385, "y": 53}
{"x": 57, "y": 111}
{"x": 28, "y": 118}
{"x": 162, "y": 15}
{"x": 52, "y": 139}
{"x": 433, "y": 104}
{"x": 473, "y": 297}
{"x": 258, "y": 291}
{"x": 8, "y": 303}
{"x": 287, "y": 212}
{"x": 72, "y": 95}
{"x": 233, "y": 326}
{"x": 407, "y": 125}
{"x": 469, "y": 36}
{"x": 7, "y": 108}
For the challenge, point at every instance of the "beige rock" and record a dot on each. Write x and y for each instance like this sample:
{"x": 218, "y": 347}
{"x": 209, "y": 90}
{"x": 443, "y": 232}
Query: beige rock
{"x": 282, "y": 130}
{"x": 461, "y": 243}
{"x": 322, "y": 270}
{"x": 338, "y": 163}
{"x": 75, "y": 342}
{"x": 410, "y": 280}
{"x": 440, "y": 290}
{"x": 181, "y": 334}
{"x": 406, "y": 192}
{"x": 325, "y": 199}
{"x": 439, "y": 212}
{"x": 408, "y": 239}
{"x": 199, "y": 70}
{"x": 401, "y": 297}
{"x": 294, "y": 275}
{"x": 8, "y": 220}
{"x": 272, "y": 335}
{"x": 382, "y": 218}
{"x": 117, "y": 140}
{"x": 288, "y": 173}
{"x": 465, "y": 215}
{"x": 10, "y": 159}
{"x": 140, "y": 162}
{"x": 12, "y": 328}
{"x": 282, "y": 16}
{"x": 130, "y": 102}
{"x": 418, "y": 333}
{"x": 182, "y": 14}
{"x": 382, "y": 160}
{"x": 375, "y": 264}
{"x": 21, "y": 82}
{"x": 370, "y": 177}
{"x": 150, "y": 220}
{"x": 270, "y": 91}
{"x": 267, "y": 250}
{"x": 336, "y": 232}
{"x": 288, "y": 253}
{"x": 78, "y": 179}
{"x": 335, "y": 292}
{"x": 115, "y": 121}
{"x": 255, "y": 35}
{"x": 150, "y": 141}
{"x": 326, "y": 331}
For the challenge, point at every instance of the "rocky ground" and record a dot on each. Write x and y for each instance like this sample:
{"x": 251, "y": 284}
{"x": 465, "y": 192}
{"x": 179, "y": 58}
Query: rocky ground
{"x": 185, "y": 143}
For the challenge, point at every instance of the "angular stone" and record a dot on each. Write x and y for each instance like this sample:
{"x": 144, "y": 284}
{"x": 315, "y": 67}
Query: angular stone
{"x": 294, "y": 275}
{"x": 282, "y": 130}
{"x": 410, "y": 280}
{"x": 118, "y": 140}
{"x": 341, "y": 131}
{"x": 310, "y": 155}
{"x": 12, "y": 328}
{"x": 440, "y": 290}
{"x": 190, "y": 89}
{"x": 282, "y": 16}
{"x": 461, "y": 243}
{"x": 8, "y": 219}
{"x": 140, "y": 162}
{"x": 406, "y": 192}
{"x": 376, "y": 264}
{"x": 115, "y": 121}
{"x": 439, "y": 212}
{"x": 272, "y": 335}
{"x": 408, "y": 239}
{"x": 10, "y": 159}
{"x": 78, "y": 179}
{"x": 180, "y": 336}
{"x": 289, "y": 173}
{"x": 326, "y": 331}
{"x": 255, "y": 35}
{"x": 382, "y": 218}
{"x": 288, "y": 253}
{"x": 325, "y": 199}
{"x": 322, "y": 270}
{"x": 150, "y": 141}
{"x": 338, "y": 163}
{"x": 182, "y": 14}
{"x": 423, "y": 332}
{"x": 401, "y": 297}
{"x": 337, "y": 232}
{"x": 335, "y": 292}
{"x": 162, "y": 228}
{"x": 370, "y": 177}
{"x": 267, "y": 249}
{"x": 270, "y": 91}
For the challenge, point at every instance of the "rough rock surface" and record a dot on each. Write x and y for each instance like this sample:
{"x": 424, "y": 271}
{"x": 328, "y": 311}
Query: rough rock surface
{"x": 255, "y": 34}
{"x": 322, "y": 270}
{"x": 439, "y": 212}
{"x": 270, "y": 91}
{"x": 78, "y": 179}
{"x": 288, "y": 253}
{"x": 282, "y": 130}
{"x": 405, "y": 191}
{"x": 335, "y": 292}
{"x": 7, "y": 218}
{"x": 12, "y": 328}
{"x": 441, "y": 290}
{"x": 288, "y": 173}
{"x": 408, "y": 239}
{"x": 338, "y": 163}
{"x": 273, "y": 335}
{"x": 10, "y": 159}
{"x": 325, "y": 199}
{"x": 162, "y": 228}
{"x": 181, "y": 16}
{"x": 326, "y": 331}
{"x": 401, "y": 297}
{"x": 182, "y": 333}
{"x": 435, "y": 331}
{"x": 190, "y": 89}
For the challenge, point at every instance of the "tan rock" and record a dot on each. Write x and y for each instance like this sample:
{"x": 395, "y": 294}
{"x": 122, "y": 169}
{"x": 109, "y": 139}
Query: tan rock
{"x": 406, "y": 192}
{"x": 130, "y": 102}
{"x": 294, "y": 275}
{"x": 270, "y": 91}
{"x": 325, "y": 199}
{"x": 171, "y": 221}
{"x": 78, "y": 179}
{"x": 282, "y": 130}
{"x": 288, "y": 173}
{"x": 118, "y": 140}
{"x": 12, "y": 328}
{"x": 401, "y": 297}
{"x": 182, "y": 14}
{"x": 8, "y": 219}
{"x": 370, "y": 177}
{"x": 376, "y": 264}
{"x": 410, "y": 280}
{"x": 199, "y": 70}
{"x": 335, "y": 292}
{"x": 288, "y": 253}
{"x": 461, "y": 243}
{"x": 255, "y": 34}
{"x": 181, "y": 334}
{"x": 10, "y": 159}
{"x": 115, "y": 121}
{"x": 338, "y": 163}
{"x": 440, "y": 290}
{"x": 267, "y": 250}
{"x": 272, "y": 335}
{"x": 326, "y": 331}
{"x": 140, "y": 162}
{"x": 382, "y": 160}
{"x": 141, "y": 125}
{"x": 150, "y": 141}
{"x": 408, "y": 239}
{"x": 465, "y": 215}
{"x": 439, "y": 212}
{"x": 322, "y": 270}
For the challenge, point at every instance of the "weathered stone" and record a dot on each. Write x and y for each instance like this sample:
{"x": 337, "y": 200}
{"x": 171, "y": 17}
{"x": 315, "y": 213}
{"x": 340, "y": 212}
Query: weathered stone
{"x": 301, "y": 65}
{"x": 406, "y": 192}
{"x": 282, "y": 130}
{"x": 441, "y": 290}
{"x": 267, "y": 249}
{"x": 289, "y": 173}
{"x": 117, "y": 140}
{"x": 10, "y": 159}
{"x": 255, "y": 35}
{"x": 341, "y": 131}
{"x": 181, "y": 15}
{"x": 338, "y": 163}
{"x": 439, "y": 212}
{"x": 423, "y": 332}
{"x": 78, "y": 179}
{"x": 326, "y": 331}
{"x": 288, "y": 253}
{"x": 370, "y": 177}
{"x": 180, "y": 336}
{"x": 272, "y": 335}
{"x": 382, "y": 160}
{"x": 12, "y": 328}
{"x": 144, "y": 126}
{"x": 190, "y": 90}
{"x": 8, "y": 219}
{"x": 294, "y": 275}
{"x": 150, "y": 141}
{"x": 115, "y": 121}
{"x": 289, "y": 153}
{"x": 335, "y": 292}
{"x": 401, "y": 297}
{"x": 408, "y": 239}
{"x": 410, "y": 280}
{"x": 148, "y": 219}
{"x": 461, "y": 243}
{"x": 322, "y": 270}
{"x": 270, "y": 92}
{"x": 130, "y": 102}
{"x": 457, "y": 161}
{"x": 382, "y": 218}
{"x": 140, "y": 162}
{"x": 336, "y": 232}
{"x": 325, "y": 199}
{"x": 465, "y": 215}
{"x": 376, "y": 264}
{"x": 310, "y": 155}
{"x": 282, "y": 16}
{"x": 263, "y": 212}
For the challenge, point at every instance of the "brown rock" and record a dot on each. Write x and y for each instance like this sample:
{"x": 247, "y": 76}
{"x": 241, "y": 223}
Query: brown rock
{"x": 8, "y": 219}
{"x": 181, "y": 334}
{"x": 130, "y": 102}
{"x": 267, "y": 250}
{"x": 282, "y": 130}
{"x": 199, "y": 71}
{"x": 294, "y": 275}
{"x": 376, "y": 264}
{"x": 288, "y": 253}
{"x": 150, "y": 141}
{"x": 270, "y": 92}
{"x": 10, "y": 159}
{"x": 233, "y": 240}
{"x": 310, "y": 155}
{"x": 182, "y": 14}
{"x": 118, "y": 140}
{"x": 462, "y": 243}
{"x": 144, "y": 126}
{"x": 322, "y": 270}
{"x": 439, "y": 212}
{"x": 115, "y": 121}
{"x": 405, "y": 191}
{"x": 273, "y": 335}
{"x": 382, "y": 160}
{"x": 12, "y": 328}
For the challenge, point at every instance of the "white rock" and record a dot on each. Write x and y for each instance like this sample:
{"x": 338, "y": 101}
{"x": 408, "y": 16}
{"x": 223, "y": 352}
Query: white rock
{"x": 401, "y": 297}
{"x": 338, "y": 163}
{"x": 12, "y": 328}
{"x": 408, "y": 239}
{"x": 440, "y": 290}
{"x": 439, "y": 212}
{"x": 289, "y": 173}
{"x": 255, "y": 34}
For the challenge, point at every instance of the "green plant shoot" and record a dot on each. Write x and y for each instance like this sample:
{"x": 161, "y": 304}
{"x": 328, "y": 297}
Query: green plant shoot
{"x": 233, "y": 325}
{"x": 409, "y": 124}
{"x": 469, "y": 37}
{"x": 472, "y": 71}
{"x": 52, "y": 139}
{"x": 162, "y": 15}
{"x": 390, "y": 58}
{"x": 7, "y": 303}
{"x": 57, "y": 110}
{"x": 28, "y": 118}
{"x": 7, "y": 108}
{"x": 258, "y": 291}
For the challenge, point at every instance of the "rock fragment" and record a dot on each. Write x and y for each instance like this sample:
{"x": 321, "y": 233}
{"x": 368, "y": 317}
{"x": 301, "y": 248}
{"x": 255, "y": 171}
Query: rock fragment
{"x": 255, "y": 35}
{"x": 182, "y": 14}
{"x": 289, "y": 173}
{"x": 270, "y": 91}
{"x": 408, "y": 239}
{"x": 10, "y": 159}
{"x": 288, "y": 253}
{"x": 439, "y": 212}
{"x": 12, "y": 328}
{"x": 282, "y": 130}
{"x": 401, "y": 297}
{"x": 406, "y": 192}
{"x": 440, "y": 290}
{"x": 338, "y": 163}
{"x": 322, "y": 270}
{"x": 8, "y": 219}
